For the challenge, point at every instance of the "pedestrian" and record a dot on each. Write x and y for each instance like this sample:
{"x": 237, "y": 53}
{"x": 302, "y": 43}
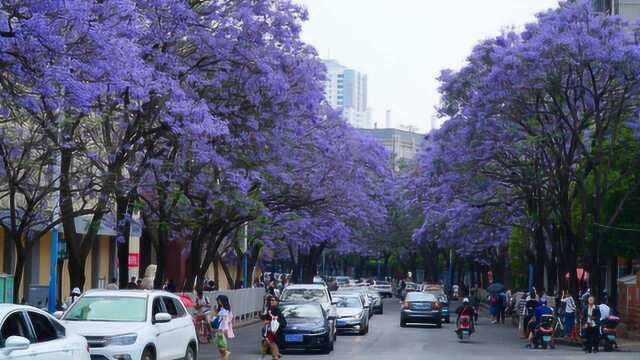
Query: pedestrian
{"x": 569, "y": 313}
{"x": 271, "y": 313}
{"x": 493, "y": 307}
{"x": 222, "y": 326}
{"x": 591, "y": 321}
{"x": 132, "y": 284}
{"x": 171, "y": 286}
{"x": 75, "y": 294}
{"x": 113, "y": 285}
{"x": 501, "y": 307}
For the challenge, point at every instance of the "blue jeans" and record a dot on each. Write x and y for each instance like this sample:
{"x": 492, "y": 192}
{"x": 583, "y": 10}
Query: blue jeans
{"x": 569, "y": 320}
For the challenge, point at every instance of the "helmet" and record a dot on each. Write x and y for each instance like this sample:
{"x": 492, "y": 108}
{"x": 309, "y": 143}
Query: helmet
{"x": 76, "y": 291}
{"x": 465, "y": 300}
{"x": 543, "y": 301}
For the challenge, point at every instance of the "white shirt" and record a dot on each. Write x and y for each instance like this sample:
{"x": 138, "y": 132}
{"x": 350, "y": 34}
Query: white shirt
{"x": 203, "y": 304}
{"x": 570, "y": 305}
{"x": 604, "y": 311}
{"x": 224, "y": 319}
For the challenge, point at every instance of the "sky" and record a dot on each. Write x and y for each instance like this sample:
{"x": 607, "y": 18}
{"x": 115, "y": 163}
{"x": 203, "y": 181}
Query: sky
{"x": 402, "y": 45}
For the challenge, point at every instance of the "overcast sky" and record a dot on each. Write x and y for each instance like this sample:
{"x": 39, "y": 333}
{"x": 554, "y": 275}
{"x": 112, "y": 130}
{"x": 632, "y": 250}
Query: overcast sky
{"x": 403, "y": 44}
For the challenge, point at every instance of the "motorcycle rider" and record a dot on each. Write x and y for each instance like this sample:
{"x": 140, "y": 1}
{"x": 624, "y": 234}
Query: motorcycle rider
{"x": 468, "y": 310}
{"x": 542, "y": 309}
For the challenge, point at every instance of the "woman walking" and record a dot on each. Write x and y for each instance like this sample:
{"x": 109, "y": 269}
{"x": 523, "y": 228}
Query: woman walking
{"x": 222, "y": 325}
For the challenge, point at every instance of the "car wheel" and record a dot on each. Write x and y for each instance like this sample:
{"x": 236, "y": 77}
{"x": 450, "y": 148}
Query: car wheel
{"x": 148, "y": 354}
{"x": 381, "y": 310}
{"x": 403, "y": 323}
{"x": 439, "y": 324}
{"x": 190, "y": 354}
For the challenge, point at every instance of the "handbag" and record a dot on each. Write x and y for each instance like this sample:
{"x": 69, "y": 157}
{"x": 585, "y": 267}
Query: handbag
{"x": 216, "y": 322}
{"x": 274, "y": 325}
{"x": 221, "y": 341}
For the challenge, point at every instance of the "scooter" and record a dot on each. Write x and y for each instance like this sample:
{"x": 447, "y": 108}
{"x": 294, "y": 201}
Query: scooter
{"x": 465, "y": 328}
{"x": 608, "y": 333}
{"x": 544, "y": 333}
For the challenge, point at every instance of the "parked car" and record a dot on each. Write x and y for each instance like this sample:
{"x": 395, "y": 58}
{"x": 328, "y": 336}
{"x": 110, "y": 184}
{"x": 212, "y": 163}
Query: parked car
{"x": 309, "y": 327}
{"x": 312, "y": 293}
{"x": 362, "y": 292}
{"x": 28, "y": 333}
{"x": 352, "y": 316}
{"x": 420, "y": 307}
{"x": 383, "y": 287}
{"x": 376, "y": 301}
{"x": 133, "y": 324}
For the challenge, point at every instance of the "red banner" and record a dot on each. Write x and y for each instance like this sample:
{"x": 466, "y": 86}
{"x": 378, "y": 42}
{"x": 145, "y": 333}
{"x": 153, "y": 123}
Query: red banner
{"x": 134, "y": 259}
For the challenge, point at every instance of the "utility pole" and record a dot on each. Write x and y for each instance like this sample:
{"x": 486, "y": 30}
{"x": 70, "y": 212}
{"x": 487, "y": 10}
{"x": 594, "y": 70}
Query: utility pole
{"x": 245, "y": 259}
{"x": 53, "y": 261}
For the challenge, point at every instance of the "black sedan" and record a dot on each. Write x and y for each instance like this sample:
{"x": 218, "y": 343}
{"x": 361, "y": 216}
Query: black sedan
{"x": 420, "y": 307}
{"x": 308, "y": 328}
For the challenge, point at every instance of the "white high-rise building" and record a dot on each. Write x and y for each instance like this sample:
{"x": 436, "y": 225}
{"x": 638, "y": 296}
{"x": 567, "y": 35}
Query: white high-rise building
{"x": 628, "y": 9}
{"x": 346, "y": 90}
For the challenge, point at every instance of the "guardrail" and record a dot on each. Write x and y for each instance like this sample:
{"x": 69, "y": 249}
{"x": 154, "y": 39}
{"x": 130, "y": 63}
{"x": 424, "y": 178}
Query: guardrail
{"x": 246, "y": 304}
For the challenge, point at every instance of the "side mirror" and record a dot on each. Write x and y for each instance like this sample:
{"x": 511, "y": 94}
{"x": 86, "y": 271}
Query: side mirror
{"x": 14, "y": 343}
{"x": 58, "y": 314}
{"x": 162, "y": 318}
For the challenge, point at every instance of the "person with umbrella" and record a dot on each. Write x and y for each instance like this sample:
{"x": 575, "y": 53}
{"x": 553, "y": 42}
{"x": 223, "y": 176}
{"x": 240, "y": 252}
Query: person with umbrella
{"x": 494, "y": 300}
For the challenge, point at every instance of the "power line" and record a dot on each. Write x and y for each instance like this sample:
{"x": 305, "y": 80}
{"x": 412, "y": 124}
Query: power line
{"x": 617, "y": 228}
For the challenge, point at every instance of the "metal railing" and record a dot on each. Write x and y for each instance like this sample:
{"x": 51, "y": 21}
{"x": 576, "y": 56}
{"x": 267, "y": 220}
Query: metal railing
{"x": 246, "y": 304}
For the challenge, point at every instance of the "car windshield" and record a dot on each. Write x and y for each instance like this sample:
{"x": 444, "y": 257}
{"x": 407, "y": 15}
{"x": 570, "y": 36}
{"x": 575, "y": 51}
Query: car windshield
{"x": 108, "y": 308}
{"x": 418, "y": 296}
{"x": 348, "y": 302}
{"x": 301, "y": 311}
{"x": 305, "y": 295}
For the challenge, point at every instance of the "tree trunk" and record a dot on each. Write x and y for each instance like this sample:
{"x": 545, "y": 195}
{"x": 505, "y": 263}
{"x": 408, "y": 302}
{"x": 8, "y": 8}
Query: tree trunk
{"x": 311, "y": 263}
{"x": 18, "y": 272}
{"x": 195, "y": 259}
{"x": 76, "y": 265}
{"x": 225, "y": 270}
{"x": 160, "y": 247}
{"x": 613, "y": 278}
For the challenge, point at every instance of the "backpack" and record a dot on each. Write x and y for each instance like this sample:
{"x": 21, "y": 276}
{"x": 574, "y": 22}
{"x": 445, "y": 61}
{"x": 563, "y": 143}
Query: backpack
{"x": 493, "y": 300}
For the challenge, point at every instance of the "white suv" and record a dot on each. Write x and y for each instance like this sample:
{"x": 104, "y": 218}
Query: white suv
{"x": 27, "y": 333}
{"x": 133, "y": 325}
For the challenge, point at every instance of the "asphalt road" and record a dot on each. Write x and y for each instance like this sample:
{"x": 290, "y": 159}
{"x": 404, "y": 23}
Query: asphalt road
{"x": 387, "y": 341}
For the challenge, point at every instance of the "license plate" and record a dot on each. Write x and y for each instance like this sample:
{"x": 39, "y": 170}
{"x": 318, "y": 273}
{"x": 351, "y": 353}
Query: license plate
{"x": 341, "y": 322}
{"x": 466, "y": 332}
{"x": 293, "y": 338}
{"x": 611, "y": 337}
{"x": 546, "y": 338}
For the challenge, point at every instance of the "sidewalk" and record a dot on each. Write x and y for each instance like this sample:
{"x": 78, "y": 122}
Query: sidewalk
{"x": 624, "y": 344}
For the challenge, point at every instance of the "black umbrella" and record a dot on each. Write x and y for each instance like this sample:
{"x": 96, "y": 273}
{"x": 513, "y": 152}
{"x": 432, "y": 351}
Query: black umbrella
{"x": 496, "y": 288}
